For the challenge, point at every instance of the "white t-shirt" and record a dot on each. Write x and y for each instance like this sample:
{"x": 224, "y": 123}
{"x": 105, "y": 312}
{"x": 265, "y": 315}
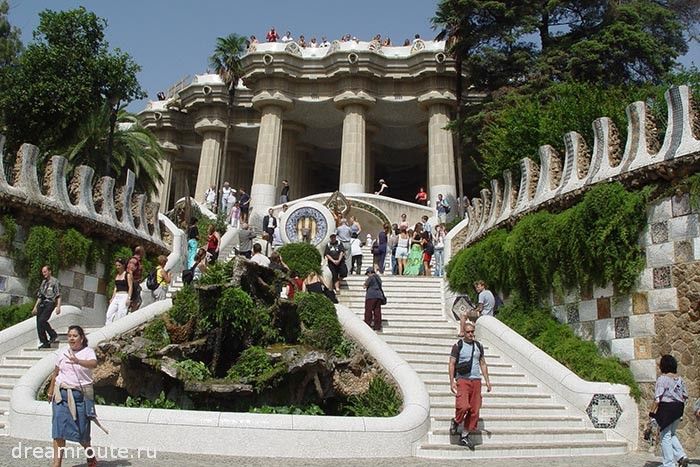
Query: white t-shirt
{"x": 489, "y": 302}
{"x": 261, "y": 259}
{"x": 210, "y": 196}
{"x": 355, "y": 247}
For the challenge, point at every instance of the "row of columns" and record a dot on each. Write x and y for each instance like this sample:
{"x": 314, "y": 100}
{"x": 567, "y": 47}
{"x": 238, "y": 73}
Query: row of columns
{"x": 279, "y": 156}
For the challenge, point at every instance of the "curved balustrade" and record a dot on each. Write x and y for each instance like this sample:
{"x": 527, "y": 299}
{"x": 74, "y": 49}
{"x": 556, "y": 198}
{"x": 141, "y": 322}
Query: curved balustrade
{"x": 549, "y": 182}
{"x": 116, "y": 213}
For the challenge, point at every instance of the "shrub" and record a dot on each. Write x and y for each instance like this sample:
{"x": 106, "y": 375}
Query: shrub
{"x": 41, "y": 248}
{"x": 302, "y": 258}
{"x": 254, "y": 367}
{"x": 193, "y": 370}
{"x": 380, "y": 400}
{"x": 311, "y": 409}
{"x": 252, "y": 363}
{"x": 13, "y": 314}
{"x": 217, "y": 273}
{"x": 558, "y": 340}
{"x": 236, "y": 307}
{"x": 156, "y": 332}
{"x": 161, "y": 402}
{"x": 9, "y": 227}
{"x": 74, "y": 248}
{"x": 321, "y": 328}
{"x": 593, "y": 243}
{"x": 185, "y": 304}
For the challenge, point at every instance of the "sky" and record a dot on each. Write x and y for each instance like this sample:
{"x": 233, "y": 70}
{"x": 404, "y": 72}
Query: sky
{"x": 172, "y": 39}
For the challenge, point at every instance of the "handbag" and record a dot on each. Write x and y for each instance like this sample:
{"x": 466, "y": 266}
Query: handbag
{"x": 383, "y": 299}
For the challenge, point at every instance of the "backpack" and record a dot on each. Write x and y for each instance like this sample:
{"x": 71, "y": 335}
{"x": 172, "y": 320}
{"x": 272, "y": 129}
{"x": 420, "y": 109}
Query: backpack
{"x": 467, "y": 365}
{"x": 498, "y": 303}
{"x": 152, "y": 281}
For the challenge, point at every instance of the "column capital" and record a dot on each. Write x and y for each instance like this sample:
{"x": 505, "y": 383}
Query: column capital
{"x": 207, "y": 121}
{"x": 353, "y": 98}
{"x": 276, "y": 98}
{"x": 437, "y": 97}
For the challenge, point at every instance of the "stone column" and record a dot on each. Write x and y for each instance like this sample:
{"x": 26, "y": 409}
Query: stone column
{"x": 353, "y": 152}
{"x": 441, "y": 161}
{"x": 167, "y": 142}
{"x": 211, "y": 126}
{"x": 289, "y": 158}
{"x": 267, "y": 156}
{"x": 180, "y": 173}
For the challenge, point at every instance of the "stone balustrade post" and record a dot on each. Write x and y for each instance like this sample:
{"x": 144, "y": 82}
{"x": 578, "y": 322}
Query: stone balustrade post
{"x": 353, "y": 152}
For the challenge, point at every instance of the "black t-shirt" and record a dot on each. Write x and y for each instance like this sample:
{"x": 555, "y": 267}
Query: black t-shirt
{"x": 192, "y": 232}
{"x": 334, "y": 251}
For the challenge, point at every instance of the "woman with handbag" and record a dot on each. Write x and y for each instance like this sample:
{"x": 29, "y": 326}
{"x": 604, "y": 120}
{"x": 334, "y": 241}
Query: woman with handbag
{"x": 374, "y": 299}
{"x": 670, "y": 395}
{"x": 71, "y": 395}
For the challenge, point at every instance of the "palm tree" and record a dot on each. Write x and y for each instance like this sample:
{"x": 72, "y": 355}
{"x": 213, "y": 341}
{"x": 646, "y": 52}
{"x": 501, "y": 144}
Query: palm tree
{"x": 133, "y": 147}
{"x": 226, "y": 62}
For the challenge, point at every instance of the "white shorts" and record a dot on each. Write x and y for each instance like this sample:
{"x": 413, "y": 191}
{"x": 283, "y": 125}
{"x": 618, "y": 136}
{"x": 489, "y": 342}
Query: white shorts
{"x": 401, "y": 252}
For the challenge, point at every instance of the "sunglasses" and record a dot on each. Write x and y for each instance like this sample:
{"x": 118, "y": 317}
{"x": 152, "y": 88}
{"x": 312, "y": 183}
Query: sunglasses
{"x": 468, "y": 332}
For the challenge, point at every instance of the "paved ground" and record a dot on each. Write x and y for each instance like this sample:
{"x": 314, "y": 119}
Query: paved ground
{"x": 10, "y": 455}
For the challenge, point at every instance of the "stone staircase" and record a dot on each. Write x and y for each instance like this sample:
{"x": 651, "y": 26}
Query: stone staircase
{"x": 519, "y": 418}
{"x": 15, "y": 363}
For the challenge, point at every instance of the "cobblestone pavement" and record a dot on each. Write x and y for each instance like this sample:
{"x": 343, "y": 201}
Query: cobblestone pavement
{"x": 10, "y": 455}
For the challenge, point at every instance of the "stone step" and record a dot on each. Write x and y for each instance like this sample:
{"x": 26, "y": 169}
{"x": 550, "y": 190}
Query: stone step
{"x": 446, "y": 397}
{"x": 494, "y": 422}
{"x": 6, "y": 389}
{"x": 406, "y": 291}
{"x": 441, "y": 365}
{"x": 12, "y": 370}
{"x": 489, "y": 409}
{"x": 442, "y": 384}
{"x": 514, "y": 435}
{"x": 21, "y": 359}
{"x": 444, "y": 342}
{"x": 418, "y": 331}
{"x": 399, "y": 316}
{"x": 532, "y": 450}
{"x": 413, "y": 351}
{"x": 495, "y": 377}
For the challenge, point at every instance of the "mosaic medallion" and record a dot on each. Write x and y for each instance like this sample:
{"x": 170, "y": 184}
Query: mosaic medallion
{"x": 308, "y": 222}
{"x": 604, "y": 411}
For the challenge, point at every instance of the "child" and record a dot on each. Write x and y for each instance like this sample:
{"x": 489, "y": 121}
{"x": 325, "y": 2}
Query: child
{"x": 356, "y": 254}
{"x": 428, "y": 251}
{"x": 234, "y": 216}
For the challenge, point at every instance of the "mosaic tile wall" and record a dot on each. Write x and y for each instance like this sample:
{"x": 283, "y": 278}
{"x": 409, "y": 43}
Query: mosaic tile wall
{"x": 625, "y": 325}
{"x": 78, "y": 287}
{"x": 661, "y": 316}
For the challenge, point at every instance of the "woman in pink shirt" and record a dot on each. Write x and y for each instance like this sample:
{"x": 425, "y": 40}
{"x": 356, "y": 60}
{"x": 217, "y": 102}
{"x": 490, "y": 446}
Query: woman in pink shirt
{"x": 71, "y": 395}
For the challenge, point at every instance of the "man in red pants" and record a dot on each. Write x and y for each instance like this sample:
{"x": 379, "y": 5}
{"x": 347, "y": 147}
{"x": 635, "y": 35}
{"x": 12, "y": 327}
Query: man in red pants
{"x": 467, "y": 365}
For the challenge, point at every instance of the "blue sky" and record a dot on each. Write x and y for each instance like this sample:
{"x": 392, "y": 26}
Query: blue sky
{"x": 171, "y": 39}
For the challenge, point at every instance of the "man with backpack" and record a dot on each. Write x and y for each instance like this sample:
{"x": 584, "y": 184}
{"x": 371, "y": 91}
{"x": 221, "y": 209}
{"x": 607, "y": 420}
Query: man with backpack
{"x": 467, "y": 365}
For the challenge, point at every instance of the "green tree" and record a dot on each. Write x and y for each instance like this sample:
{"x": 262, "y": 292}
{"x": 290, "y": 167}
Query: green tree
{"x": 134, "y": 148}
{"x": 226, "y": 61}
{"x": 67, "y": 72}
{"x": 10, "y": 43}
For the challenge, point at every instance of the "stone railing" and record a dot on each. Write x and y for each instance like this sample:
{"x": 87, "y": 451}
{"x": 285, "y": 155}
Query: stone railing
{"x": 116, "y": 213}
{"x": 205, "y": 432}
{"x": 550, "y": 183}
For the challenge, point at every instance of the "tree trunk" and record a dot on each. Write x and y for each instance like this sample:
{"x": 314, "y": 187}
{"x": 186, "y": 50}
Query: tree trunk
{"x": 544, "y": 30}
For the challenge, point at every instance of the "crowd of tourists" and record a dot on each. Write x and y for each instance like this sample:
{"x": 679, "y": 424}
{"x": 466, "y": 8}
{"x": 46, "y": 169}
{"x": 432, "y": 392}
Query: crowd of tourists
{"x": 273, "y": 35}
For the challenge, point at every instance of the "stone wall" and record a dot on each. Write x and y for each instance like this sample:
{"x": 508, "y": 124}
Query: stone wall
{"x": 661, "y": 316}
{"x": 79, "y": 287}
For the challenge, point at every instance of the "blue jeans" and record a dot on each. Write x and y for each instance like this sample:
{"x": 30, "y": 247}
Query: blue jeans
{"x": 671, "y": 449}
{"x": 439, "y": 260}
